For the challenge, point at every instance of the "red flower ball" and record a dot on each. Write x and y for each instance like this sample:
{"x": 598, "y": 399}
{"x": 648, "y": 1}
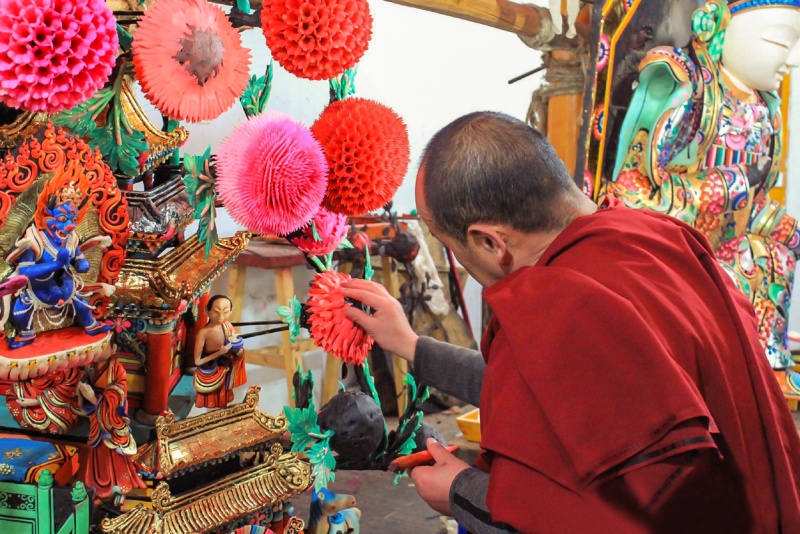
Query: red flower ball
{"x": 190, "y": 59}
{"x": 55, "y": 54}
{"x": 330, "y": 328}
{"x": 366, "y": 145}
{"x": 316, "y": 39}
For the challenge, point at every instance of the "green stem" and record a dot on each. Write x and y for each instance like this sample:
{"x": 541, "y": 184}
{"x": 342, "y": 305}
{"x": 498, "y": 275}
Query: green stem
{"x": 318, "y": 263}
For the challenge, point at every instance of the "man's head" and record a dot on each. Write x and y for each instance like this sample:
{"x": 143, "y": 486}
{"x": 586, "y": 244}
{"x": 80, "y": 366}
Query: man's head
{"x": 493, "y": 189}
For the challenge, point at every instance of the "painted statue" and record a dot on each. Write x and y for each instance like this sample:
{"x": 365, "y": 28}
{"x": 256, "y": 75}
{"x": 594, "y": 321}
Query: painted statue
{"x": 50, "y": 256}
{"x": 46, "y": 403}
{"x": 103, "y": 398}
{"x": 219, "y": 357}
{"x": 701, "y": 141}
{"x": 332, "y": 513}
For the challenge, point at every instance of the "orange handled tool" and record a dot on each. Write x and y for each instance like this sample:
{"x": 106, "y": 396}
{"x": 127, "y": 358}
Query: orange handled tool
{"x": 409, "y": 462}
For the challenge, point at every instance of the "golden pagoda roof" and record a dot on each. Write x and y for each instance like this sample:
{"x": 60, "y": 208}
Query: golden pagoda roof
{"x": 184, "y": 444}
{"x": 157, "y": 287}
{"x": 278, "y": 479}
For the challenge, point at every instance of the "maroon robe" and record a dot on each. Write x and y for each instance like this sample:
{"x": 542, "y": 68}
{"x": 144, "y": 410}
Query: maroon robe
{"x": 626, "y": 390}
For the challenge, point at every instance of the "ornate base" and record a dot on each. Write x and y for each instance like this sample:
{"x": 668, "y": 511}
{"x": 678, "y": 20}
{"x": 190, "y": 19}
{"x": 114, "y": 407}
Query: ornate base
{"x": 23, "y": 459}
{"x": 52, "y": 351}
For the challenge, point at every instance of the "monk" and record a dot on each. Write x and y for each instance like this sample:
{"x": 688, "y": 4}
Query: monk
{"x": 621, "y": 382}
{"x": 219, "y": 357}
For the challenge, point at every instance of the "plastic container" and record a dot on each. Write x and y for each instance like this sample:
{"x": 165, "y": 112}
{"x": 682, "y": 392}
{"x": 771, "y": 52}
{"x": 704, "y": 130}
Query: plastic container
{"x": 470, "y": 425}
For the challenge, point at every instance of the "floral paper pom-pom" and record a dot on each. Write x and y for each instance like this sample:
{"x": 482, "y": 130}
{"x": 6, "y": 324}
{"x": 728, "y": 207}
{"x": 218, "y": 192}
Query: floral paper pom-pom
{"x": 271, "y": 174}
{"x": 190, "y": 59}
{"x": 54, "y": 54}
{"x": 331, "y": 229}
{"x": 366, "y": 145}
{"x": 316, "y": 39}
{"x": 330, "y": 328}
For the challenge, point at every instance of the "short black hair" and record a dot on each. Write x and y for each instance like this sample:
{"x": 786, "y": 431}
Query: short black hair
{"x": 215, "y": 298}
{"x": 488, "y": 167}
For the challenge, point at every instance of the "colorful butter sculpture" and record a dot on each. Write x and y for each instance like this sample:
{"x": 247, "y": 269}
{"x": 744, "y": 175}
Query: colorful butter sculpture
{"x": 217, "y": 470}
{"x": 219, "y": 357}
{"x": 701, "y": 141}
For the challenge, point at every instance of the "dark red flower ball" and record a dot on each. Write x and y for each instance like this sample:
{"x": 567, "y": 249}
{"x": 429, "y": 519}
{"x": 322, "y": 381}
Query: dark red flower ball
{"x": 366, "y": 145}
{"x": 329, "y": 326}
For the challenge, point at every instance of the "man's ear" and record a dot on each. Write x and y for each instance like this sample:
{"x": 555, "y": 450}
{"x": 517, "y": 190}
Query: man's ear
{"x": 490, "y": 238}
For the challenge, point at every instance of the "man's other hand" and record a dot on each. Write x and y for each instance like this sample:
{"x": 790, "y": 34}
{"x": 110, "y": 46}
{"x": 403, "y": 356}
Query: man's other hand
{"x": 388, "y": 324}
{"x": 433, "y": 483}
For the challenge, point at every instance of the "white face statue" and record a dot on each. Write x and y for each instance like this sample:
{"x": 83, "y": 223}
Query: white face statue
{"x": 761, "y": 45}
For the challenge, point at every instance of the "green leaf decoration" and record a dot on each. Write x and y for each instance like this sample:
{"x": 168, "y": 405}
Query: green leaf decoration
{"x": 80, "y": 120}
{"x": 373, "y": 391}
{"x": 409, "y": 444}
{"x": 290, "y": 315}
{"x": 256, "y": 94}
{"x": 369, "y": 272}
{"x": 118, "y": 142}
{"x": 200, "y": 182}
{"x": 371, "y": 383}
{"x": 322, "y": 462}
{"x": 303, "y": 425}
{"x": 344, "y": 85}
{"x": 244, "y": 6}
{"x": 398, "y": 476}
{"x": 125, "y": 39}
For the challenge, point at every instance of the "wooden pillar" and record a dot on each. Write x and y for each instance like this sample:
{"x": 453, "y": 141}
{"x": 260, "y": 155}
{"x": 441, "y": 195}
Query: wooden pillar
{"x": 236, "y": 279}
{"x": 159, "y": 366}
{"x": 564, "y": 119}
{"x": 389, "y": 278}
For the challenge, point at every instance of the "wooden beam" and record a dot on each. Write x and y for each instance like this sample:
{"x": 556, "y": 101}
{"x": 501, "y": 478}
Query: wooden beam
{"x": 501, "y": 14}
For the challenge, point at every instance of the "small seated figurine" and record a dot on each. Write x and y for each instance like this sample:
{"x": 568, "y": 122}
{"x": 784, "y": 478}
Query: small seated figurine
{"x": 219, "y": 357}
{"x": 50, "y": 257}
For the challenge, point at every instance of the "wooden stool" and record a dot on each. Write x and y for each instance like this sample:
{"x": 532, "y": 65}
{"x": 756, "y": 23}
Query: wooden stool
{"x": 280, "y": 258}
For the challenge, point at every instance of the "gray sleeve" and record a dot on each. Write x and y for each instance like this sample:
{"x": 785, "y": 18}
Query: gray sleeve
{"x": 450, "y": 369}
{"x": 468, "y": 503}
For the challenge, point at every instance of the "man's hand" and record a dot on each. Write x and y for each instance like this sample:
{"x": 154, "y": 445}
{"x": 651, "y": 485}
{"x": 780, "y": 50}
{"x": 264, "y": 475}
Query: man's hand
{"x": 388, "y": 324}
{"x": 433, "y": 483}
